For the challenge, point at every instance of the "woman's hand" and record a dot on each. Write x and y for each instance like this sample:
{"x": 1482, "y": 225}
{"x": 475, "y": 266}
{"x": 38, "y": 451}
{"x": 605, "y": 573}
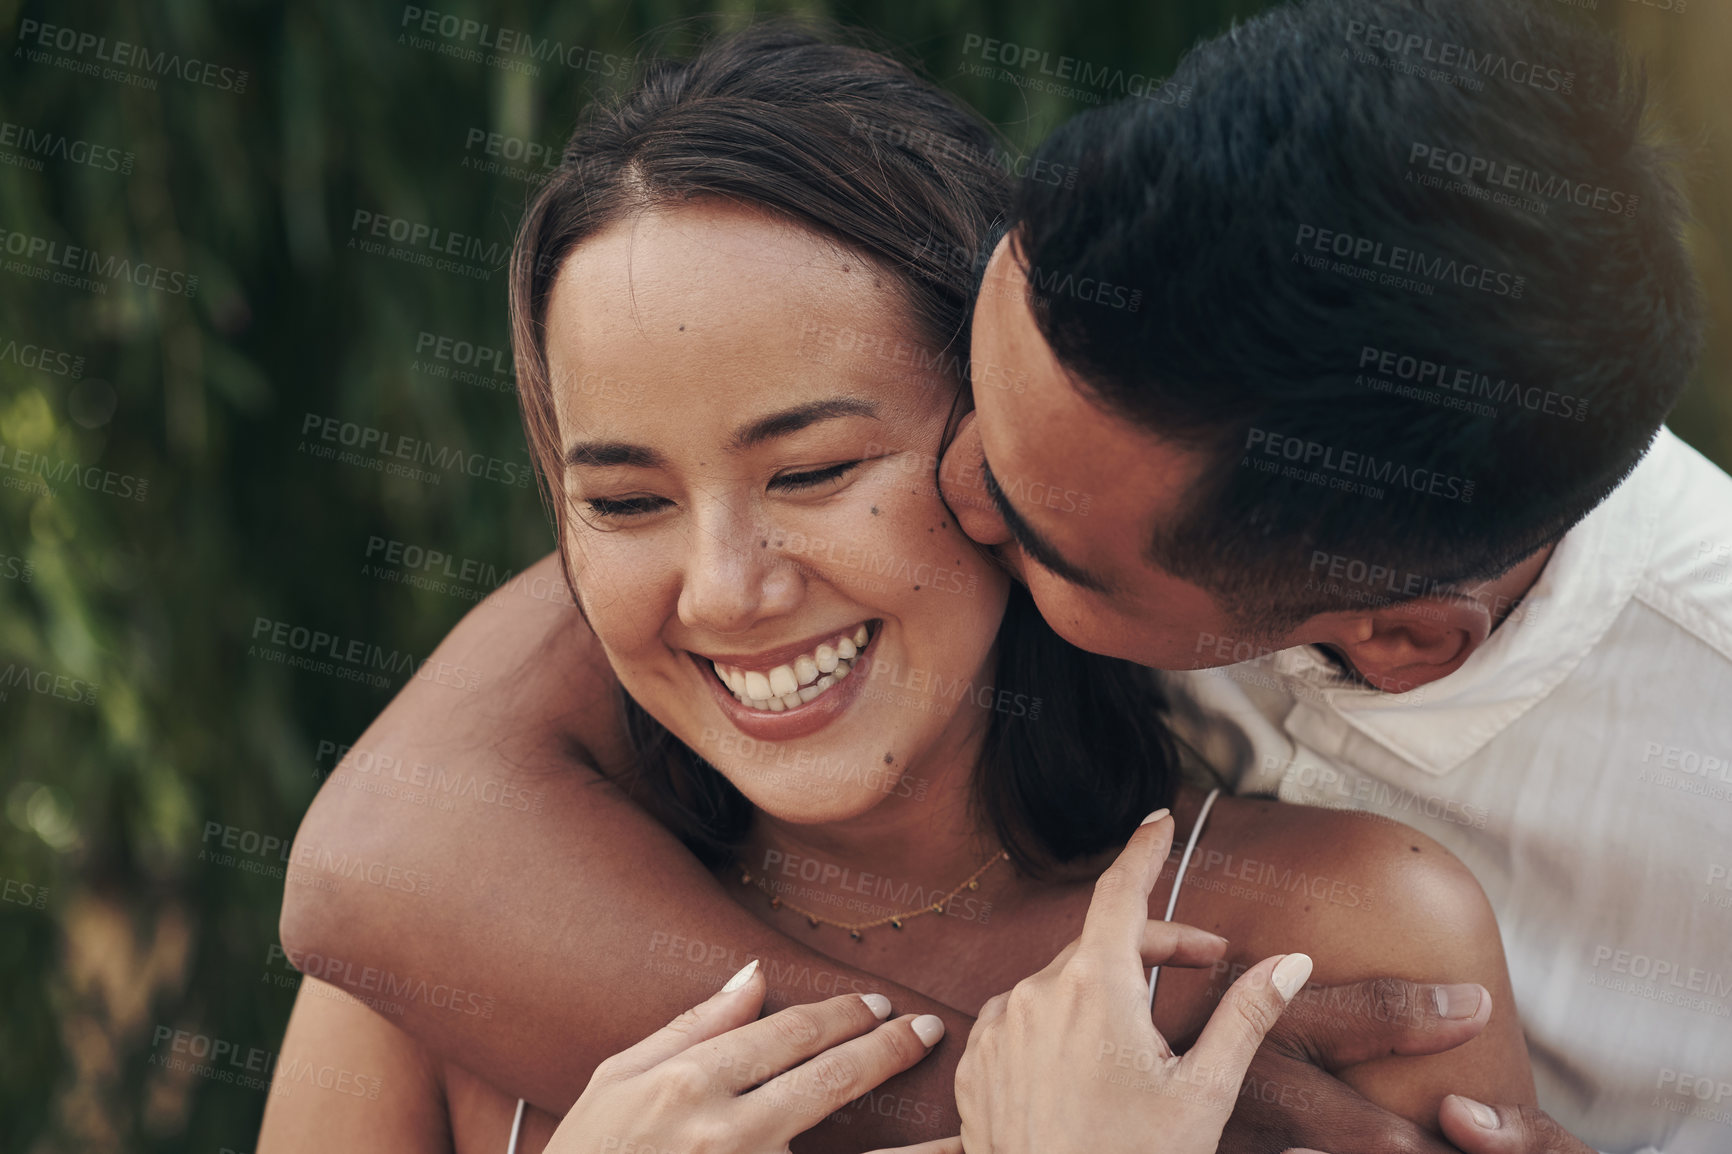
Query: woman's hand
{"x": 1070, "y": 1060}
{"x": 718, "y": 1081}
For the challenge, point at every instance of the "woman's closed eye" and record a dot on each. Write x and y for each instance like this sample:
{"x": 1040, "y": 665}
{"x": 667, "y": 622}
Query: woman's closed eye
{"x": 622, "y": 507}
{"x": 625, "y": 506}
{"x": 813, "y": 478}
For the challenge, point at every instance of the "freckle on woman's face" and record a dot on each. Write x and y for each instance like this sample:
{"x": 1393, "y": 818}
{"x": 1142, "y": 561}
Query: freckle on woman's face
{"x": 731, "y": 548}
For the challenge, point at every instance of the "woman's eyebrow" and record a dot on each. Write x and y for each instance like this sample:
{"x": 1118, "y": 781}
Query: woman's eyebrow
{"x": 607, "y": 454}
{"x": 617, "y": 454}
{"x": 799, "y": 417}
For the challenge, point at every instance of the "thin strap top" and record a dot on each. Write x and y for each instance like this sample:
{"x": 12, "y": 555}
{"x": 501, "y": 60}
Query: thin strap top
{"x": 516, "y": 1128}
{"x": 1179, "y": 879}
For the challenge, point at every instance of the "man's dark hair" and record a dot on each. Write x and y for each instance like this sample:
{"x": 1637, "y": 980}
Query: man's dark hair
{"x": 1417, "y": 257}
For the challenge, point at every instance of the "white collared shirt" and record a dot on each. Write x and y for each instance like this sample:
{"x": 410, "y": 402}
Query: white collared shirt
{"x": 1580, "y": 763}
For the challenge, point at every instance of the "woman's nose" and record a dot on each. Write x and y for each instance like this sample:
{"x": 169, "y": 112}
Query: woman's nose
{"x": 735, "y": 576}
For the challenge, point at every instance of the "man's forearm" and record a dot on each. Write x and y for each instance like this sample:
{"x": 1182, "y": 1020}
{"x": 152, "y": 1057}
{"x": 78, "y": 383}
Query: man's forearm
{"x": 513, "y": 910}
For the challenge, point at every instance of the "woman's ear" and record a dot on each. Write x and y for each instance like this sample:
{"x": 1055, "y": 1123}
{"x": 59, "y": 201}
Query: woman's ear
{"x": 964, "y": 487}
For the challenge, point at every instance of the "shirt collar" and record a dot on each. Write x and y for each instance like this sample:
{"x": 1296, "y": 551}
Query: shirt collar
{"x": 1589, "y": 579}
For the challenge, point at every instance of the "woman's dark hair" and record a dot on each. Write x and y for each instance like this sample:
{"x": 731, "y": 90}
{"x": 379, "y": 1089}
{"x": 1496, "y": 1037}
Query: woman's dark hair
{"x": 855, "y": 146}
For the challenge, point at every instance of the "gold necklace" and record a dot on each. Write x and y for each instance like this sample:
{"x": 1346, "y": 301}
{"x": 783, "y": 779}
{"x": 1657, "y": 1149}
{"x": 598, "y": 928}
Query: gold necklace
{"x": 895, "y": 921}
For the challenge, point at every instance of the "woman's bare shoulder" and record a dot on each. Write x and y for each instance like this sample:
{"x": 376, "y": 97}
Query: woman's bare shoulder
{"x": 1366, "y": 894}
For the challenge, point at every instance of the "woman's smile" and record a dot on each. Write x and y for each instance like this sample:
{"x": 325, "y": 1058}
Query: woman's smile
{"x": 792, "y": 690}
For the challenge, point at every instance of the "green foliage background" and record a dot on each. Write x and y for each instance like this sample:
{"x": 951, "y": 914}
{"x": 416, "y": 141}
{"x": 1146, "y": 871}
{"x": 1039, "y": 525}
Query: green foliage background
{"x": 154, "y": 601}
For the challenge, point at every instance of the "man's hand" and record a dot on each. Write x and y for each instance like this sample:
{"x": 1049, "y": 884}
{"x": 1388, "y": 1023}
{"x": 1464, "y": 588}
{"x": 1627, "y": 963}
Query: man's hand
{"x": 1070, "y": 1059}
{"x": 1480, "y": 1129}
{"x": 1291, "y": 1098}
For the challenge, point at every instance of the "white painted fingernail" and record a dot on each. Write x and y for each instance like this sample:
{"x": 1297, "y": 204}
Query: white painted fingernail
{"x": 741, "y": 978}
{"x": 878, "y": 1004}
{"x": 1290, "y": 973}
{"x": 928, "y": 1028}
{"x": 1156, "y": 816}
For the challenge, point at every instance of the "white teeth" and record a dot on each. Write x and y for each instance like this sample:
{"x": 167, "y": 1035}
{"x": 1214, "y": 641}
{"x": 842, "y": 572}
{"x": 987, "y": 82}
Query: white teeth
{"x": 772, "y": 703}
{"x": 789, "y": 686}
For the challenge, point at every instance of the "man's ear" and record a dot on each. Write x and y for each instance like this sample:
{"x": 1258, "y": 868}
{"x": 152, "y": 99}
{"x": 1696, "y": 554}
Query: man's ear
{"x": 964, "y": 487}
{"x": 1401, "y": 647}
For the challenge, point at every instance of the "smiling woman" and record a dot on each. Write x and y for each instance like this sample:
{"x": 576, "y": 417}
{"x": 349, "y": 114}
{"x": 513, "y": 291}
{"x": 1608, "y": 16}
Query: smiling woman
{"x": 742, "y": 437}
